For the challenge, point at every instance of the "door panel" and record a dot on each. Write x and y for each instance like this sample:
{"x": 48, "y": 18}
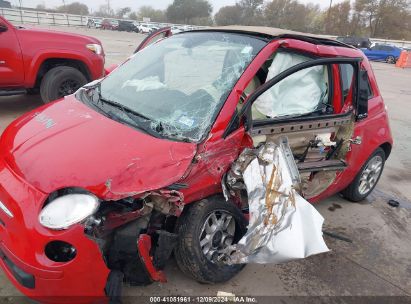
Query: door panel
{"x": 299, "y": 104}
{"x": 11, "y": 61}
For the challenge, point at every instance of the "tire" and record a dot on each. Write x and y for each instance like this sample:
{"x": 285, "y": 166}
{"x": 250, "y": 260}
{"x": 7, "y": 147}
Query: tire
{"x": 355, "y": 192}
{"x": 60, "y": 81}
{"x": 390, "y": 60}
{"x": 188, "y": 253}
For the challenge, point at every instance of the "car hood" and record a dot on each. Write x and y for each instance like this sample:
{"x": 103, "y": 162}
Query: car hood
{"x": 47, "y": 39}
{"x": 54, "y": 35}
{"x": 67, "y": 144}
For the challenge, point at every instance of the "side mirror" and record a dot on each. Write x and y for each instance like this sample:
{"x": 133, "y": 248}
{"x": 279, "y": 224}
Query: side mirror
{"x": 3, "y": 28}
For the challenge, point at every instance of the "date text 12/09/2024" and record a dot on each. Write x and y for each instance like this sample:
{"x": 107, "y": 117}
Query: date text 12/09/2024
{"x": 204, "y": 299}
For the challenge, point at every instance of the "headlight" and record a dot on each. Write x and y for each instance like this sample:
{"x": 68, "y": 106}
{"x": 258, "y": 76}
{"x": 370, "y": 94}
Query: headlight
{"x": 68, "y": 210}
{"x": 95, "y": 48}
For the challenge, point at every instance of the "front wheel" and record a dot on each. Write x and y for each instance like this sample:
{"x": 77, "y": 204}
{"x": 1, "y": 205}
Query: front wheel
{"x": 367, "y": 178}
{"x": 205, "y": 229}
{"x": 61, "y": 81}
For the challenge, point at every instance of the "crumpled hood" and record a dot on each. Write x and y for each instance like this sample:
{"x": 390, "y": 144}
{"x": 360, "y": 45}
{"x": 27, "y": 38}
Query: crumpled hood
{"x": 67, "y": 144}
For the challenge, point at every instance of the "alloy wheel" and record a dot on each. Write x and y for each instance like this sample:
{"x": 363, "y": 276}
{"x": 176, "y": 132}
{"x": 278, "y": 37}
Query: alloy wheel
{"x": 217, "y": 234}
{"x": 370, "y": 175}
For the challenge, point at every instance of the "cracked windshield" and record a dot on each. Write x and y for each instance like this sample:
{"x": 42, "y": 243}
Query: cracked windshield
{"x": 175, "y": 88}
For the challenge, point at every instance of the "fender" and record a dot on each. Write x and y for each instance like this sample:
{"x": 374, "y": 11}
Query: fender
{"x": 33, "y": 64}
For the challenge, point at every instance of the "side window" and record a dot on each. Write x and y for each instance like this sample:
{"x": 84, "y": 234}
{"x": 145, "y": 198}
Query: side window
{"x": 304, "y": 92}
{"x": 347, "y": 81}
{"x": 347, "y": 77}
{"x": 370, "y": 92}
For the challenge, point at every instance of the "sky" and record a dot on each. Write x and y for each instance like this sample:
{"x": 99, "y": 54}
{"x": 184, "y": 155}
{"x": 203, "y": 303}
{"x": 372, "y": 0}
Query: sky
{"x": 135, "y": 4}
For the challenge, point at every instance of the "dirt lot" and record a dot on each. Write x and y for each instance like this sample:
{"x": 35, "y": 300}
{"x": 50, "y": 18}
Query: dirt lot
{"x": 376, "y": 263}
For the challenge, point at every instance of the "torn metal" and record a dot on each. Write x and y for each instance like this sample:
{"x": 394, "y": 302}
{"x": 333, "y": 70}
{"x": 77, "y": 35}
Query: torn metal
{"x": 283, "y": 226}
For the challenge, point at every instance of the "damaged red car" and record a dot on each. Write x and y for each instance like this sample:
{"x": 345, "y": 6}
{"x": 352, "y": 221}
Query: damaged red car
{"x": 102, "y": 186}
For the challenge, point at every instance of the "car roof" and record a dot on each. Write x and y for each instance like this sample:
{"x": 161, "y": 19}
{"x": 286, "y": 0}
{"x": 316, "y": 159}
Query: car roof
{"x": 273, "y": 33}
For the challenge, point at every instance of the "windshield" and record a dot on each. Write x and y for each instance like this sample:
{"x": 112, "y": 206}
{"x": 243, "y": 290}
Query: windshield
{"x": 179, "y": 84}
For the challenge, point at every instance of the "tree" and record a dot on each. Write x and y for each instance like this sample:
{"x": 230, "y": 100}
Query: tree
{"x": 292, "y": 15}
{"x": 133, "y": 15}
{"x": 229, "y": 15}
{"x": 155, "y": 15}
{"x": 104, "y": 11}
{"x": 338, "y": 19}
{"x": 185, "y": 11}
{"x": 121, "y": 12}
{"x": 41, "y": 7}
{"x": 252, "y": 11}
{"x": 384, "y": 18}
{"x": 75, "y": 8}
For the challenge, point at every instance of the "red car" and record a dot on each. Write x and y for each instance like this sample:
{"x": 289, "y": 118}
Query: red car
{"x": 109, "y": 24}
{"x": 100, "y": 187}
{"x": 52, "y": 63}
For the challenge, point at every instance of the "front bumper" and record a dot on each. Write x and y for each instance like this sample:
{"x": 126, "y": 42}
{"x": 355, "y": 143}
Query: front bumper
{"x": 22, "y": 244}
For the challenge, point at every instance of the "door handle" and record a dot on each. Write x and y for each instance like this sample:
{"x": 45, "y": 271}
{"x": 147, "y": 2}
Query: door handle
{"x": 356, "y": 141}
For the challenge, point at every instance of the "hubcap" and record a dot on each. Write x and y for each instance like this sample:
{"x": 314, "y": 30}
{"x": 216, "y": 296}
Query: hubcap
{"x": 68, "y": 87}
{"x": 217, "y": 234}
{"x": 370, "y": 175}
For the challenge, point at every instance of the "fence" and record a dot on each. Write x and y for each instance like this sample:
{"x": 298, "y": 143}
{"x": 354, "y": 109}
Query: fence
{"x": 44, "y": 18}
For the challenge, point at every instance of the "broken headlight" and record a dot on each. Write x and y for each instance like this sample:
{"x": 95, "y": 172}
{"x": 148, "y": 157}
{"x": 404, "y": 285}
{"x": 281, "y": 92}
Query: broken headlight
{"x": 68, "y": 210}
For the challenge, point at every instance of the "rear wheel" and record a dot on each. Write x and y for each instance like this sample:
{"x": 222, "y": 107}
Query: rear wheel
{"x": 367, "y": 178}
{"x": 205, "y": 230}
{"x": 61, "y": 81}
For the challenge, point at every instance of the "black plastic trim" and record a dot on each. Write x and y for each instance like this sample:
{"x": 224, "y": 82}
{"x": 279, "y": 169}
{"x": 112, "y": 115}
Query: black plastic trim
{"x": 25, "y": 279}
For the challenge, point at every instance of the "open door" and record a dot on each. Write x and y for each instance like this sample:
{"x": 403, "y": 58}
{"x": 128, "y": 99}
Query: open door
{"x": 299, "y": 104}
{"x": 154, "y": 37}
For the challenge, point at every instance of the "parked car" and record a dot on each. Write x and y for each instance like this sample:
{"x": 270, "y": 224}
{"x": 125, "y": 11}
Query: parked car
{"x": 127, "y": 26}
{"x": 94, "y": 23}
{"x": 175, "y": 29}
{"x": 109, "y": 24}
{"x": 358, "y": 42}
{"x": 106, "y": 183}
{"x": 383, "y": 52}
{"x": 50, "y": 62}
{"x": 147, "y": 28}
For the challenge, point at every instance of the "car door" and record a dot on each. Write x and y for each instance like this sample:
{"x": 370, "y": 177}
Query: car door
{"x": 154, "y": 37}
{"x": 298, "y": 104}
{"x": 11, "y": 61}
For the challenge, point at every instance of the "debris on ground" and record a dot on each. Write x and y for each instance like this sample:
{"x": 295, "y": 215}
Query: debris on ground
{"x": 337, "y": 236}
{"x": 393, "y": 203}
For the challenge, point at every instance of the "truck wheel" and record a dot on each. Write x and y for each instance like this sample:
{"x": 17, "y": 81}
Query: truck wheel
{"x": 367, "y": 178}
{"x": 61, "y": 81}
{"x": 204, "y": 229}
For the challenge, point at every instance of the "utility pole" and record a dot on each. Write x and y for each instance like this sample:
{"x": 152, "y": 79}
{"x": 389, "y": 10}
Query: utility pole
{"x": 108, "y": 7}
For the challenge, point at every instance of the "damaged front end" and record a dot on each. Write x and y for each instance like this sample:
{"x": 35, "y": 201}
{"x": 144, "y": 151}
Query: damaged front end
{"x": 283, "y": 226}
{"x": 135, "y": 236}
